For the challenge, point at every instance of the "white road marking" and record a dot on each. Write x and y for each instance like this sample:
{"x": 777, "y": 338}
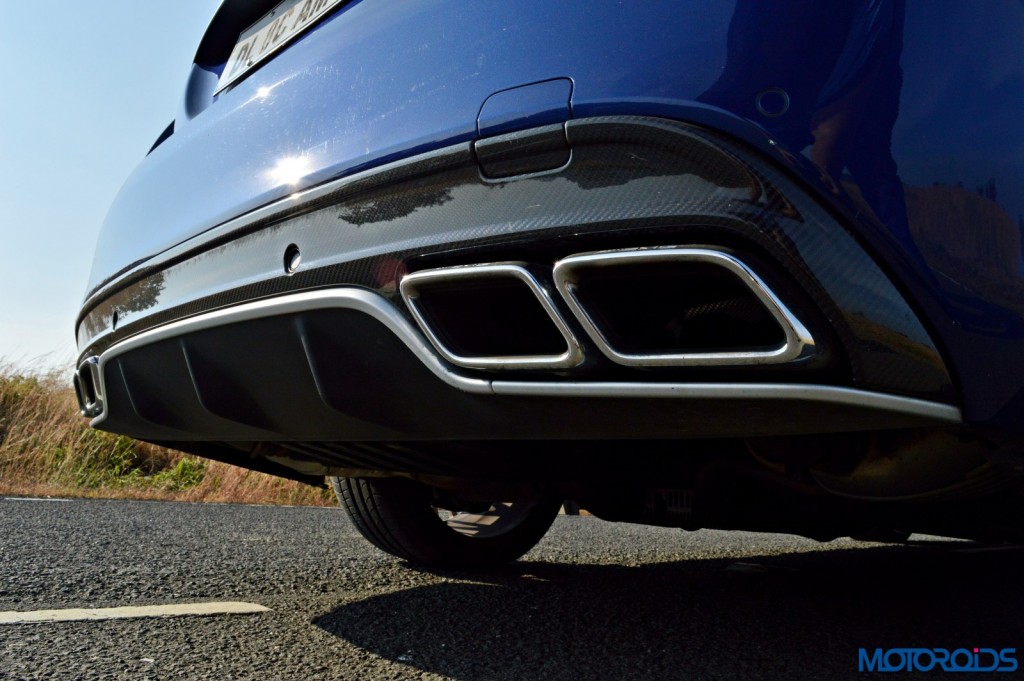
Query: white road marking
{"x": 33, "y": 499}
{"x": 81, "y": 614}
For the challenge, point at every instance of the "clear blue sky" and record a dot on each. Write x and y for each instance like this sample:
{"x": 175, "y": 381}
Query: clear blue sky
{"x": 88, "y": 86}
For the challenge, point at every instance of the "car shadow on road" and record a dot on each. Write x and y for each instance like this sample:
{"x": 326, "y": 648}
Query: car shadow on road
{"x": 799, "y": 615}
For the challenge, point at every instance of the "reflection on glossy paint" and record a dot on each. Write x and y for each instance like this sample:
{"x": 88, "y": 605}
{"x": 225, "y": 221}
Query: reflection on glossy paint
{"x": 833, "y": 92}
{"x": 290, "y": 171}
{"x": 969, "y": 239}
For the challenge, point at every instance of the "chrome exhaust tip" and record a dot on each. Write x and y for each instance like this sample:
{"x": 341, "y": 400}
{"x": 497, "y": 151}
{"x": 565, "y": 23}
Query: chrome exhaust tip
{"x": 87, "y": 388}
{"x": 654, "y": 307}
{"x": 490, "y": 316}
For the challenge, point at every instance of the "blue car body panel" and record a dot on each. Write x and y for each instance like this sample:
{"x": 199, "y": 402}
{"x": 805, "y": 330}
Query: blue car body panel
{"x": 902, "y": 118}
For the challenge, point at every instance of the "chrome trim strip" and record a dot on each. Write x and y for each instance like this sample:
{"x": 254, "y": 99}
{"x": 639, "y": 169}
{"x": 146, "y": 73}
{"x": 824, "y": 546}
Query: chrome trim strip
{"x": 851, "y": 397}
{"x": 347, "y": 298}
{"x": 798, "y": 343}
{"x": 412, "y": 283}
{"x": 383, "y": 311}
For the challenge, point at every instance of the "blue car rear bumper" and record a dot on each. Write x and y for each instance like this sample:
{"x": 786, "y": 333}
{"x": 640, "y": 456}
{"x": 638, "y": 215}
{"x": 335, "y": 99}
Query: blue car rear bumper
{"x": 897, "y": 159}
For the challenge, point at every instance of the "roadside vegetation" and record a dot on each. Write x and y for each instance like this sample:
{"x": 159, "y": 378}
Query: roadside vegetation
{"x": 46, "y": 449}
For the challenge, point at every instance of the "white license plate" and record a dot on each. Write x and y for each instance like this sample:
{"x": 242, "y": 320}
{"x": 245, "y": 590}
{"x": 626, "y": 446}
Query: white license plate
{"x": 275, "y": 30}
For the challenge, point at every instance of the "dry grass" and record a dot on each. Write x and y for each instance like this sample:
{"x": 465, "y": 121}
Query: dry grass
{"x": 47, "y": 449}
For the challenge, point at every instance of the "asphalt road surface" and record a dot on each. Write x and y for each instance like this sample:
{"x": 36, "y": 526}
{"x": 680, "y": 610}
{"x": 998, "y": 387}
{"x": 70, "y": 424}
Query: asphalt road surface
{"x": 593, "y": 601}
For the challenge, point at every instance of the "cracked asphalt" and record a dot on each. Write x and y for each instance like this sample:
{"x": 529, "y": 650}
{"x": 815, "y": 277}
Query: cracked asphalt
{"x": 593, "y": 601}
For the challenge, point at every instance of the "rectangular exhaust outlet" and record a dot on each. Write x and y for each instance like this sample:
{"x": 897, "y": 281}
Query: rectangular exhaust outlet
{"x": 87, "y": 388}
{"x": 492, "y": 316}
{"x": 679, "y": 306}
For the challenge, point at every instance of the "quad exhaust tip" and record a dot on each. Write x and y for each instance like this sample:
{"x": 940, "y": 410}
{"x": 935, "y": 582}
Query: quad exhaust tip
{"x": 87, "y": 388}
{"x": 649, "y": 307}
{"x": 679, "y": 307}
{"x": 492, "y": 316}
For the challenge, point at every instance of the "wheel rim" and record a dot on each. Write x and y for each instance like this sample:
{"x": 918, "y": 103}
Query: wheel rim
{"x": 500, "y": 518}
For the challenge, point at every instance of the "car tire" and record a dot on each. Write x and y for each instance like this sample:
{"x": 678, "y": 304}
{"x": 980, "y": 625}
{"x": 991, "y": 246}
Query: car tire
{"x": 398, "y": 516}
